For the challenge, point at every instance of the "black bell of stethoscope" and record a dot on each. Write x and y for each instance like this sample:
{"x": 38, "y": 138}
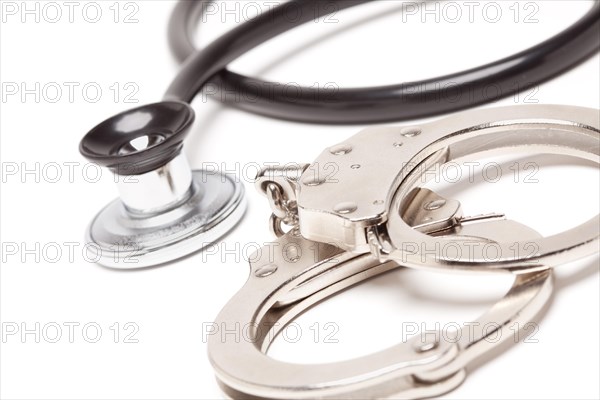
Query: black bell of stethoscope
{"x": 165, "y": 210}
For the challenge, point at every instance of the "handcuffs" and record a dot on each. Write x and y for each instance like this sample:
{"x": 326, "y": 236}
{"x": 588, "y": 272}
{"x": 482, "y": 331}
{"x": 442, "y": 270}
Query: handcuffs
{"x": 372, "y": 216}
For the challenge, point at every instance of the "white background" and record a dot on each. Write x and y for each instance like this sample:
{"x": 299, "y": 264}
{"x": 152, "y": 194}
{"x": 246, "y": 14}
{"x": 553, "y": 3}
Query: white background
{"x": 369, "y": 45}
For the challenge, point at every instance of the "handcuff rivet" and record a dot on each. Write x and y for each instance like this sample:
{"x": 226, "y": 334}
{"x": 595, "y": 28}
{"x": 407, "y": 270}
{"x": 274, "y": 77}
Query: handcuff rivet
{"x": 340, "y": 149}
{"x": 355, "y": 166}
{"x": 265, "y": 271}
{"x": 378, "y": 202}
{"x": 345, "y": 208}
{"x": 421, "y": 347}
{"x": 434, "y": 205}
{"x": 313, "y": 181}
{"x": 410, "y": 132}
{"x": 292, "y": 254}
{"x": 398, "y": 144}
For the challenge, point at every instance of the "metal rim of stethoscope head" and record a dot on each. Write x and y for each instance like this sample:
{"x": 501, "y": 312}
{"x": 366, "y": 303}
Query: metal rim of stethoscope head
{"x": 165, "y": 210}
{"x": 285, "y": 283}
{"x": 369, "y": 205}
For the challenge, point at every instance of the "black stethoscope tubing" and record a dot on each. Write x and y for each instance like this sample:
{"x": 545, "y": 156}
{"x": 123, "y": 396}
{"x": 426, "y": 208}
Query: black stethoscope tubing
{"x": 410, "y": 100}
{"x": 167, "y": 123}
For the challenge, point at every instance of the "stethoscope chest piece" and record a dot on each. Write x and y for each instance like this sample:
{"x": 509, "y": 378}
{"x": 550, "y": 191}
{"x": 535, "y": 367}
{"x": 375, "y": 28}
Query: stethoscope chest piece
{"x": 165, "y": 210}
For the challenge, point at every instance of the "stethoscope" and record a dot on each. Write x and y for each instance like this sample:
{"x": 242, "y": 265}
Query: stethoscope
{"x": 166, "y": 211}
{"x": 375, "y": 217}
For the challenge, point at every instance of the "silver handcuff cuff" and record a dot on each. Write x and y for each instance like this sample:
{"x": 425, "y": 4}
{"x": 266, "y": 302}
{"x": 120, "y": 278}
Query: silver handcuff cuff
{"x": 374, "y": 216}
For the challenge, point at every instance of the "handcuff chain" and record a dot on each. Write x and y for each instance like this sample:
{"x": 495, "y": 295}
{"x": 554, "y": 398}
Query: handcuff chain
{"x": 284, "y": 210}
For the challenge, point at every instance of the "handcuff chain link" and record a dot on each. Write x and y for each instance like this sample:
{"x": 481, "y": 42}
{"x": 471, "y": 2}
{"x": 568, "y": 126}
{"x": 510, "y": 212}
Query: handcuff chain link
{"x": 284, "y": 210}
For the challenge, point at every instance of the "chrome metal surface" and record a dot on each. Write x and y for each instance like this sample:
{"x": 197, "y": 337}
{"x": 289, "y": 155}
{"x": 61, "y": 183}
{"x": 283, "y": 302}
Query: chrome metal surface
{"x": 280, "y": 185}
{"x": 383, "y": 187}
{"x": 428, "y": 212}
{"x": 156, "y": 190}
{"x": 374, "y": 205}
{"x": 120, "y": 238}
{"x": 281, "y": 287}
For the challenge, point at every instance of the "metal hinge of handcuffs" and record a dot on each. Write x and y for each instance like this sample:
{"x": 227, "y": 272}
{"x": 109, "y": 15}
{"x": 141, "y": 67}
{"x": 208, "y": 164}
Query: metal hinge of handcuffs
{"x": 373, "y": 217}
